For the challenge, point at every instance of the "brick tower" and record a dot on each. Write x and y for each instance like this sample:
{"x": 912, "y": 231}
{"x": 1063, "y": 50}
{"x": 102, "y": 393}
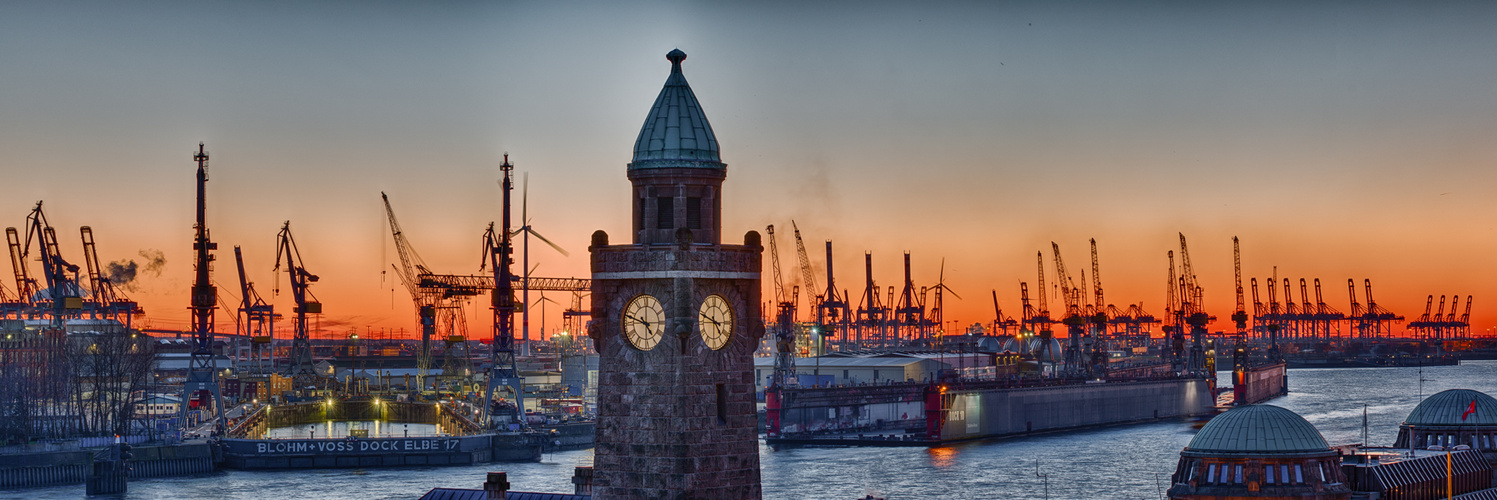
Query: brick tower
{"x": 676, "y": 319}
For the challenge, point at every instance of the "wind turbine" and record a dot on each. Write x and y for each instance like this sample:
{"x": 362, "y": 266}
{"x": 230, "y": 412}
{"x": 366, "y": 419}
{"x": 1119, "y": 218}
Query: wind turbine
{"x": 542, "y": 302}
{"x": 525, "y": 258}
{"x": 940, "y": 304}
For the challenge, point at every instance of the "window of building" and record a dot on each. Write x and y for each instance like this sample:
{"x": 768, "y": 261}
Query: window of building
{"x": 1210, "y": 473}
{"x": 1320, "y": 467}
{"x": 1284, "y": 473}
{"x": 642, "y": 207}
{"x": 693, "y": 213}
{"x": 1191, "y": 476}
{"x": 665, "y": 212}
{"x": 875, "y": 375}
{"x": 1268, "y": 474}
{"x": 1237, "y": 474}
{"x": 1299, "y": 474}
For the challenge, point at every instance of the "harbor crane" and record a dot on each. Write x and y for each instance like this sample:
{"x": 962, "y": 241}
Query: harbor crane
{"x": 106, "y": 299}
{"x": 1239, "y": 339}
{"x": 498, "y": 251}
{"x": 257, "y": 321}
{"x": 784, "y": 326}
{"x": 1001, "y": 323}
{"x": 26, "y": 286}
{"x": 1098, "y": 316}
{"x": 873, "y": 314}
{"x": 1194, "y": 310}
{"x": 832, "y": 314}
{"x": 1175, "y": 330}
{"x": 65, "y": 296}
{"x": 202, "y": 369}
{"x": 910, "y": 312}
{"x": 1074, "y": 320}
{"x": 301, "y": 370}
{"x": 437, "y": 302}
{"x": 808, "y": 276}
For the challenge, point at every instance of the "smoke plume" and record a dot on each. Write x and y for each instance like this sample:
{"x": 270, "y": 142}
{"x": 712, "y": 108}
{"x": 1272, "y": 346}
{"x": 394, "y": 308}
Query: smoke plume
{"x": 124, "y": 272}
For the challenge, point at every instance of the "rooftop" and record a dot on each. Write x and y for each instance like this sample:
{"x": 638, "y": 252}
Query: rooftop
{"x": 676, "y": 132}
{"x": 1449, "y": 408}
{"x": 1258, "y": 429}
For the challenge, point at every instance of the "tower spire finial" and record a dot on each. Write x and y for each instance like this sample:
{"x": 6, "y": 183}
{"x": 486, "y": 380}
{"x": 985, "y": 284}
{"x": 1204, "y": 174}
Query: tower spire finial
{"x": 675, "y": 56}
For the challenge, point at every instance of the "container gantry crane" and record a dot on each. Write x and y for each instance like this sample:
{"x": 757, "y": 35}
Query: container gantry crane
{"x": 107, "y": 300}
{"x": 873, "y": 315}
{"x": 26, "y": 286}
{"x": 65, "y": 296}
{"x": 909, "y": 313}
{"x": 301, "y": 369}
{"x": 832, "y": 313}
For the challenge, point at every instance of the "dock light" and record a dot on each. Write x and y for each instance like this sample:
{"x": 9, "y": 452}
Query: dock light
{"x": 376, "y": 400}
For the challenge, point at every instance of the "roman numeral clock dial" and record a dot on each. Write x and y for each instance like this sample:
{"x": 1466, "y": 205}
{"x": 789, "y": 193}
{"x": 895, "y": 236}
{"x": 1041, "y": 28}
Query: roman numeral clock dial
{"x": 644, "y": 322}
{"x": 716, "y": 321}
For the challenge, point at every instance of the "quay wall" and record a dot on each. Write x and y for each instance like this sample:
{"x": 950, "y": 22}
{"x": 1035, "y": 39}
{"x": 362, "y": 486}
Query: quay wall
{"x": 73, "y": 467}
{"x": 973, "y": 414}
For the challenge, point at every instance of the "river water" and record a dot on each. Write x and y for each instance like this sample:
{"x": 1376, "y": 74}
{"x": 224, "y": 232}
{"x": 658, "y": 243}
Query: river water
{"x": 1126, "y": 462}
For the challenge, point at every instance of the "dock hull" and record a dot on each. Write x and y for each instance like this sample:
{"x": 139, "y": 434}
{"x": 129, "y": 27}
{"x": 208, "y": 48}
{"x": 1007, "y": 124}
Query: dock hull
{"x": 963, "y": 414}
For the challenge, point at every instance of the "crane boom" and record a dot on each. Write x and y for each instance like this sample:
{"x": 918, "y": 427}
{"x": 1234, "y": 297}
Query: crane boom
{"x": 1039, "y": 258}
{"x": 774, "y": 259}
{"x": 805, "y": 269}
{"x": 99, "y": 286}
{"x": 1097, "y": 278}
{"x": 26, "y": 286}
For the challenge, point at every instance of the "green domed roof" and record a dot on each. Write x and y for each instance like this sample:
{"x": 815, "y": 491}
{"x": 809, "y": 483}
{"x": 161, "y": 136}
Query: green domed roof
{"x": 1446, "y": 408}
{"x": 676, "y": 132}
{"x": 1258, "y": 429}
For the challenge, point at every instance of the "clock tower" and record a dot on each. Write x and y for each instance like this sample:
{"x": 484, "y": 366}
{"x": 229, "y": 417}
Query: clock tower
{"x": 676, "y": 319}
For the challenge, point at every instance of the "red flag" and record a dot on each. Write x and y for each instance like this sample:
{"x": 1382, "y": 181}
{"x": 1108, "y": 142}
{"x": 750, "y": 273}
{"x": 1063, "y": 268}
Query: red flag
{"x": 1469, "y": 410}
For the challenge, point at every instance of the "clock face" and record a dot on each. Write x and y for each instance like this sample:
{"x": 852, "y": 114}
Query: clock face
{"x": 644, "y": 322}
{"x": 716, "y": 321}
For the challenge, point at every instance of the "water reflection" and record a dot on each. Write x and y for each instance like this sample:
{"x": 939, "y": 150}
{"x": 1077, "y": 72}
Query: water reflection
{"x": 345, "y": 428}
{"x": 942, "y": 457}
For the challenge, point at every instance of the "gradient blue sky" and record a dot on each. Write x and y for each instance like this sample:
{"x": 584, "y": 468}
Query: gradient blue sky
{"x": 1339, "y": 140}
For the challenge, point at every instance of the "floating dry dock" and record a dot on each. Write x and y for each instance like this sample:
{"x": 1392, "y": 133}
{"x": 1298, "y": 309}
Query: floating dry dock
{"x": 923, "y": 414}
{"x": 463, "y": 442}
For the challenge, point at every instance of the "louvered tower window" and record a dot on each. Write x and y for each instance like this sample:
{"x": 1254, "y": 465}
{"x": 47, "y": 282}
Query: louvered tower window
{"x": 693, "y": 213}
{"x": 665, "y": 212}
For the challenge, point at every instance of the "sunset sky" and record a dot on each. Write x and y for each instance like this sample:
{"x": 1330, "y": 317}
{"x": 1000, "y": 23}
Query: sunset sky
{"x": 1337, "y": 141}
